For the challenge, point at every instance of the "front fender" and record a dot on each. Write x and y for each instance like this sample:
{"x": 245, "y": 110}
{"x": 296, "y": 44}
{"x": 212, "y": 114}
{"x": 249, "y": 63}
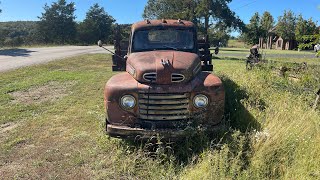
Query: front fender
{"x": 211, "y": 86}
{"x": 118, "y": 86}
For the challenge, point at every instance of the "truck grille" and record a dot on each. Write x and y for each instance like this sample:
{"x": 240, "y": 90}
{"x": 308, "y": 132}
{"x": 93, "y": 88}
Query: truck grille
{"x": 163, "y": 106}
{"x": 177, "y": 77}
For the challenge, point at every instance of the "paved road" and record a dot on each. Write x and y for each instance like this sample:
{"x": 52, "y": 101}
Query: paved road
{"x": 20, "y": 57}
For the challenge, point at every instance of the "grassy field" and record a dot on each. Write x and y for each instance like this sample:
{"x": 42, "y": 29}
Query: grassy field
{"x": 268, "y": 51}
{"x": 290, "y": 56}
{"x": 52, "y": 127}
{"x": 233, "y": 43}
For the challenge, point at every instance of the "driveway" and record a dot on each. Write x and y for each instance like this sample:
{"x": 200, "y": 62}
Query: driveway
{"x": 21, "y": 57}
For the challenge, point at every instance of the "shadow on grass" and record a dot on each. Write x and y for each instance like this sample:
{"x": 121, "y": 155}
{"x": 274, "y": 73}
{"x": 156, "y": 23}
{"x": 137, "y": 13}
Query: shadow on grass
{"x": 237, "y": 118}
{"x": 16, "y": 52}
{"x": 232, "y": 58}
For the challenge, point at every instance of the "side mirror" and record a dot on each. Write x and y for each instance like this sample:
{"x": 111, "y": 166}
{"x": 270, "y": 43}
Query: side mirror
{"x": 100, "y": 43}
{"x": 125, "y": 57}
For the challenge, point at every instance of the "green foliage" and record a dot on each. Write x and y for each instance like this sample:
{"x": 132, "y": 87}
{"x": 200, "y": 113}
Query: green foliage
{"x": 253, "y": 30}
{"x": 286, "y": 25}
{"x": 57, "y": 23}
{"x": 57, "y": 26}
{"x": 125, "y": 30}
{"x": 289, "y": 27}
{"x": 309, "y": 41}
{"x": 267, "y": 23}
{"x": 303, "y": 28}
{"x": 205, "y": 14}
{"x": 19, "y": 33}
{"x": 258, "y": 27}
{"x": 218, "y": 35}
{"x": 96, "y": 26}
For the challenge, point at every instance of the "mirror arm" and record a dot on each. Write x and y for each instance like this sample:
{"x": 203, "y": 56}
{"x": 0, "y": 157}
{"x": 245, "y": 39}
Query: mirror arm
{"x": 113, "y": 53}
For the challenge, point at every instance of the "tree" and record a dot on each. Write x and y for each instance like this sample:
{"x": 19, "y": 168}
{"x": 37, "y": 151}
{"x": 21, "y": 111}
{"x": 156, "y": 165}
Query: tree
{"x": 204, "y": 13}
{"x": 304, "y": 27}
{"x": 267, "y": 23}
{"x": 286, "y": 25}
{"x": 96, "y": 26}
{"x": 219, "y": 36}
{"x": 308, "y": 41}
{"x": 57, "y": 23}
{"x": 253, "y": 30}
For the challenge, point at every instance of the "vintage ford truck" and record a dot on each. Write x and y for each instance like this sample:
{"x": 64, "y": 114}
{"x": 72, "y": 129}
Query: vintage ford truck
{"x": 166, "y": 87}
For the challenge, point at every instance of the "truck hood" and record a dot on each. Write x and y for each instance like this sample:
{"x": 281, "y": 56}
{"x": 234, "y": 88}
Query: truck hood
{"x": 163, "y": 67}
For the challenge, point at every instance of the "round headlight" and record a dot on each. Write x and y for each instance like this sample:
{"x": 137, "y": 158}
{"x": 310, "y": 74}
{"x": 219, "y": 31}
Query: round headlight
{"x": 128, "y": 101}
{"x": 200, "y": 101}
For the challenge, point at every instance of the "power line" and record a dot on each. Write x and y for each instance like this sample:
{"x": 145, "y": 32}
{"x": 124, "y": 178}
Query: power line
{"x": 246, "y": 4}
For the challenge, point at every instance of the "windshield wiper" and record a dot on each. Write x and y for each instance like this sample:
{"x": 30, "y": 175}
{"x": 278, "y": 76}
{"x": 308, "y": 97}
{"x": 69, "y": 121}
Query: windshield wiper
{"x": 170, "y": 47}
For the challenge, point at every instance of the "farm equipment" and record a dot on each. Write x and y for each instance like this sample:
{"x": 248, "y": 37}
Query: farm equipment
{"x": 166, "y": 87}
{"x": 253, "y": 58}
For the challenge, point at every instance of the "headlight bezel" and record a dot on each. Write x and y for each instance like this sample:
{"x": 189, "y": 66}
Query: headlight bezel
{"x": 201, "y": 96}
{"x": 122, "y": 104}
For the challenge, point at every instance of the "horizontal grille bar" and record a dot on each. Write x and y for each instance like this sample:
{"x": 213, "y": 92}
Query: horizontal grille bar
{"x": 163, "y": 117}
{"x": 164, "y": 112}
{"x": 163, "y": 101}
{"x": 168, "y": 107}
{"x": 166, "y": 96}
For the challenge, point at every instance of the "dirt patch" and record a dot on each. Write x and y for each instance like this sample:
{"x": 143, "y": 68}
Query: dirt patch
{"x": 7, "y": 127}
{"x": 47, "y": 93}
{"x": 10, "y": 168}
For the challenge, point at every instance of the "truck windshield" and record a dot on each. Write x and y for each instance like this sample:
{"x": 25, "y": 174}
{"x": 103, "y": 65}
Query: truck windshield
{"x": 163, "y": 39}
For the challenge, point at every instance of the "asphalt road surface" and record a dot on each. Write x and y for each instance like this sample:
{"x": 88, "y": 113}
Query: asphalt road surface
{"x": 21, "y": 57}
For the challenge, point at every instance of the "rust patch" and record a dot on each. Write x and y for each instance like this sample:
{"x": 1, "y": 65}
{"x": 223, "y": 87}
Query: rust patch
{"x": 47, "y": 93}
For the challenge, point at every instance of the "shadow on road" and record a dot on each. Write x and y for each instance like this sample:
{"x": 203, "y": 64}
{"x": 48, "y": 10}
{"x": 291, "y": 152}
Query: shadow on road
{"x": 16, "y": 52}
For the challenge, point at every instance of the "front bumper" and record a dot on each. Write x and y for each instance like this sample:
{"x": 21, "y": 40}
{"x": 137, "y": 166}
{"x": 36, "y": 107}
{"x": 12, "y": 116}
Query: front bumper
{"x": 171, "y": 134}
{"x": 140, "y": 133}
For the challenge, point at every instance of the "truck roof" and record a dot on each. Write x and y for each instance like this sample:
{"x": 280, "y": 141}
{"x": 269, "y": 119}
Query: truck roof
{"x": 161, "y": 23}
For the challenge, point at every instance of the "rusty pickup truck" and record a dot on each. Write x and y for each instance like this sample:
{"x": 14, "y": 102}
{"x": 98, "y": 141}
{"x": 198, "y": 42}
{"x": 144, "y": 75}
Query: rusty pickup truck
{"x": 167, "y": 85}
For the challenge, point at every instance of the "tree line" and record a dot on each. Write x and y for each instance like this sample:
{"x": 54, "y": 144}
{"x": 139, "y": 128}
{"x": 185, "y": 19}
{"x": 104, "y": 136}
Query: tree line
{"x": 57, "y": 25}
{"x": 213, "y": 18}
{"x": 289, "y": 27}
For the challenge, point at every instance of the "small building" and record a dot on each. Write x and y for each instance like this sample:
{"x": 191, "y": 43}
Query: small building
{"x": 275, "y": 42}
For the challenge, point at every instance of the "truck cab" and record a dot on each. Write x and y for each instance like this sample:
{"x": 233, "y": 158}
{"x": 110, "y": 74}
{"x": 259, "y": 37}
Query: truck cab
{"x": 166, "y": 86}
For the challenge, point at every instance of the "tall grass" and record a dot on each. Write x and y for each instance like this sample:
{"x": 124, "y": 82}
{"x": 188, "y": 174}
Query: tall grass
{"x": 275, "y": 132}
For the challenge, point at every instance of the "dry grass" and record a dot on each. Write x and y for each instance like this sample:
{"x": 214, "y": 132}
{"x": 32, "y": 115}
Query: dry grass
{"x": 52, "y": 91}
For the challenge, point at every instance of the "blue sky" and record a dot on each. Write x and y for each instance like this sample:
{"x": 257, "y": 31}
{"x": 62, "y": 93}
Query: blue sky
{"x": 129, "y": 11}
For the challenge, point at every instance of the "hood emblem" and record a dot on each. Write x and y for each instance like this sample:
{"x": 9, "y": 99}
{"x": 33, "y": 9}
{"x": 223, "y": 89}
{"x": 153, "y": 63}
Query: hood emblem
{"x": 165, "y": 62}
